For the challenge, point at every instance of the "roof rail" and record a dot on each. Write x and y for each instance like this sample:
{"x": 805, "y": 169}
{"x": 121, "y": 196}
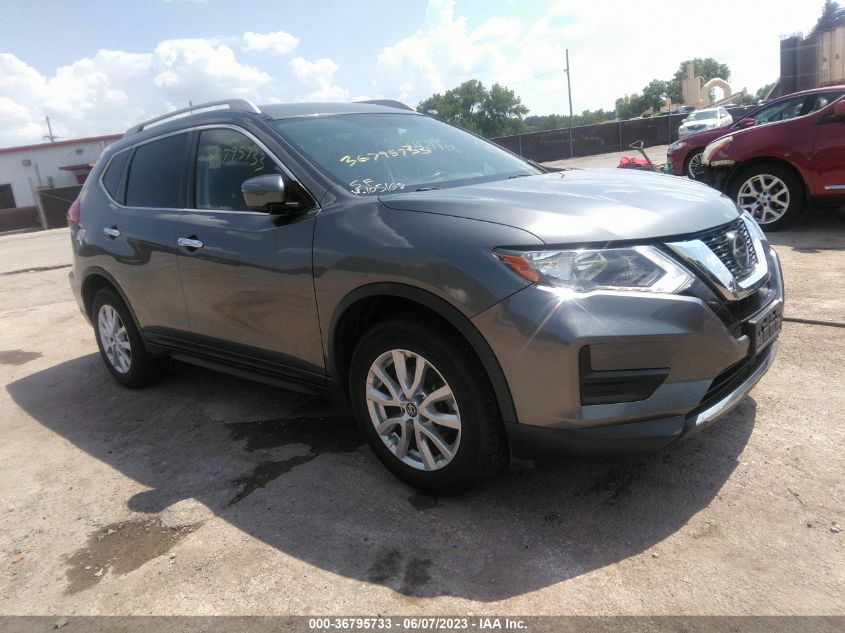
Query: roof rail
{"x": 390, "y": 103}
{"x": 241, "y": 105}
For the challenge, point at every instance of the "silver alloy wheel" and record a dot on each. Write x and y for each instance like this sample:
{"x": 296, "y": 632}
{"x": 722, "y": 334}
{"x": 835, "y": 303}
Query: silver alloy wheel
{"x": 765, "y": 197}
{"x": 413, "y": 410}
{"x": 694, "y": 168}
{"x": 114, "y": 338}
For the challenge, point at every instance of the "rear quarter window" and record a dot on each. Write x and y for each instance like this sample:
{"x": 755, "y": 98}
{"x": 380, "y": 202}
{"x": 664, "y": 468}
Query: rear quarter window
{"x": 114, "y": 173}
{"x": 157, "y": 172}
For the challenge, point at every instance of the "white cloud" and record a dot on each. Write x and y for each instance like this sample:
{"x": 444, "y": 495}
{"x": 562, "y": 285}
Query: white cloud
{"x": 319, "y": 75}
{"x": 112, "y": 90}
{"x": 278, "y": 42}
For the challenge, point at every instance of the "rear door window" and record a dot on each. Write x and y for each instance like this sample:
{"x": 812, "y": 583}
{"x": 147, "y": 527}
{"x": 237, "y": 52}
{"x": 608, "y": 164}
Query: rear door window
{"x": 156, "y": 174}
{"x": 824, "y": 99}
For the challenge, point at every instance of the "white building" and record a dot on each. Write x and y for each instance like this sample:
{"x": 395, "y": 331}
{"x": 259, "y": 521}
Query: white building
{"x": 59, "y": 164}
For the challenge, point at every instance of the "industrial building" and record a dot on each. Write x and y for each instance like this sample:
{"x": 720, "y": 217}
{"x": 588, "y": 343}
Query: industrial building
{"x": 36, "y": 181}
{"x": 815, "y": 60}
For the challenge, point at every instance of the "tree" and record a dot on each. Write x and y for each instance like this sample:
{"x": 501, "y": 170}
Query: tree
{"x": 556, "y": 121}
{"x": 496, "y": 112}
{"x": 630, "y": 106}
{"x": 654, "y": 94}
{"x": 503, "y": 112}
{"x": 708, "y": 68}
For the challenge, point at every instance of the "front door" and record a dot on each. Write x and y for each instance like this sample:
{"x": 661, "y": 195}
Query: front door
{"x": 247, "y": 275}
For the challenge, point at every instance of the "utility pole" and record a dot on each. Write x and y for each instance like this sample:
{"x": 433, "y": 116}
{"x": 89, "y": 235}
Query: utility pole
{"x": 569, "y": 91}
{"x": 52, "y": 137}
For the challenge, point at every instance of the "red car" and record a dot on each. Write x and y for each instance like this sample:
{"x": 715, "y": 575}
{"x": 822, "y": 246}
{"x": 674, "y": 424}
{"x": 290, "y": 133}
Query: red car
{"x": 775, "y": 171}
{"x": 685, "y": 155}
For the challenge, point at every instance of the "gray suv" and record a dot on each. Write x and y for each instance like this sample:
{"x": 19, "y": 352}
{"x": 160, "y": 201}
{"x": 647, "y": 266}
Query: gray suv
{"x": 466, "y": 302}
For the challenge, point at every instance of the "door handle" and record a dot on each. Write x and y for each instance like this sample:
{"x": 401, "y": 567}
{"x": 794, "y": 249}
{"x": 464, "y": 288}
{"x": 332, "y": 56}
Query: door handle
{"x": 190, "y": 242}
{"x": 111, "y": 231}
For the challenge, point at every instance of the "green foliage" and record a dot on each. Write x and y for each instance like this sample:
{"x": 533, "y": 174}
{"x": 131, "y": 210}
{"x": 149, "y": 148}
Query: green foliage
{"x": 763, "y": 92}
{"x": 494, "y": 112}
{"x": 630, "y": 106}
{"x": 556, "y": 121}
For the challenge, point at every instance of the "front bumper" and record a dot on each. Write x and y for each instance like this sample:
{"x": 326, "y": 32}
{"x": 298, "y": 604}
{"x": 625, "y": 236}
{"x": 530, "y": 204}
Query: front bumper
{"x": 538, "y": 336}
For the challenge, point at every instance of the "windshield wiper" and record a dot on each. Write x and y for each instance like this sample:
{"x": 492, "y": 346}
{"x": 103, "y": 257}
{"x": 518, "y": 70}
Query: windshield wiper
{"x": 426, "y": 188}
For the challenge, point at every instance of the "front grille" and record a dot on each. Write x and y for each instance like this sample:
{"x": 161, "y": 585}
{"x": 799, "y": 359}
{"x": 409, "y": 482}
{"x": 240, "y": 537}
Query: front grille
{"x": 718, "y": 242}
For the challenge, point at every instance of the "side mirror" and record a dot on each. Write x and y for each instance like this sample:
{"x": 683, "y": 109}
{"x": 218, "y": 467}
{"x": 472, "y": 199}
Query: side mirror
{"x": 746, "y": 122}
{"x": 267, "y": 193}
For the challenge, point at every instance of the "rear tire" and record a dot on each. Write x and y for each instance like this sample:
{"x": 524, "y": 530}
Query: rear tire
{"x": 771, "y": 193}
{"x": 449, "y": 400}
{"x": 120, "y": 343}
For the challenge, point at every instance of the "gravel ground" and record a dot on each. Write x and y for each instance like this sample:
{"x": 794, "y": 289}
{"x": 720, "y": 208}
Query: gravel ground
{"x": 207, "y": 494}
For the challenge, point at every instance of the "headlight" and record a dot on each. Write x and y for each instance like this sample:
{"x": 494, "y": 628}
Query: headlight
{"x": 674, "y": 147}
{"x": 641, "y": 268}
{"x": 714, "y": 147}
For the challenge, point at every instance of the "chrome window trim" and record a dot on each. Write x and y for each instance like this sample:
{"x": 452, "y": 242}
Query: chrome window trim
{"x": 704, "y": 260}
{"x": 199, "y": 128}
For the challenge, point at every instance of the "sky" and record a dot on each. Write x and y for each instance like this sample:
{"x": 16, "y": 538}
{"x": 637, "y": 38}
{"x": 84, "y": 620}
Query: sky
{"x": 99, "y": 66}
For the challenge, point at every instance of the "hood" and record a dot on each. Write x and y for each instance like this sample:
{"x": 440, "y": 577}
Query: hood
{"x": 702, "y": 138}
{"x": 590, "y": 205}
{"x": 700, "y": 125}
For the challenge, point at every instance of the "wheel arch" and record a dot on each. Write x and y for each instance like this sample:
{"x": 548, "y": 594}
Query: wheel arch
{"x": 95, "y": 279}
{"x": 365, "y": 306}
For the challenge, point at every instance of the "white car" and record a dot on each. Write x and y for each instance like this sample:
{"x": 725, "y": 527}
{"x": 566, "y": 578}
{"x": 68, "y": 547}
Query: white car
{"x": 705, "y": 119}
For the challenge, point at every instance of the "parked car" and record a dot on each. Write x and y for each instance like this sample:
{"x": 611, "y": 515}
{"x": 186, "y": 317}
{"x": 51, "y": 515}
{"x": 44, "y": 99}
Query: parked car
{"x": 465, "y": 302}
{"x": 682, "y": 110}
{"x": 706, "y": 119}
{"x": 684, "y": 156}
{"x": 775, "y": 171}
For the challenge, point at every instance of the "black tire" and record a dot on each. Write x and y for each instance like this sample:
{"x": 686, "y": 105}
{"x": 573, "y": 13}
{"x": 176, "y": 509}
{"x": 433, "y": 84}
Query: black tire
{"x": 482, "y": 448}
{"x": 689, "y": 161}
{"x": 797, "y": 199}
{"x": 143, "y": 368}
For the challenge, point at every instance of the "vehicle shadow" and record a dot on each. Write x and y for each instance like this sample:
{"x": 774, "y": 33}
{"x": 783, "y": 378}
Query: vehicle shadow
{"x": 302, "y": 481}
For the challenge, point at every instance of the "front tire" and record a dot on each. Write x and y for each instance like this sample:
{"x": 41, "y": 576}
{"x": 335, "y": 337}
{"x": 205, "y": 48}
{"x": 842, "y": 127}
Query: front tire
{"x": 120, "y": 343}
{"x": 425, "y": 406}
{"x": 772, "y": 194}
{"x": 693, "y": 166}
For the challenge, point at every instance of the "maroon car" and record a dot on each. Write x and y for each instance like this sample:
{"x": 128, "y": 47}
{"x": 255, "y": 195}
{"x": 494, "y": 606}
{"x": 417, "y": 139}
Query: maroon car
{"x": 776, "y": 171}
{"x": 685, "y": 156}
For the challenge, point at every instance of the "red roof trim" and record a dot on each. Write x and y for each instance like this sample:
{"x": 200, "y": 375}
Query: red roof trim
{"x": 76, "y": 141}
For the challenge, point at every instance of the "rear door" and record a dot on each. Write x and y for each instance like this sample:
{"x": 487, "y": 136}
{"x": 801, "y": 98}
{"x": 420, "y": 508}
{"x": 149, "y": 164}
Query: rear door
{"x": 829, "y": 155}
{"x": 247, "y": 275}
{"x": 139, "y": 229}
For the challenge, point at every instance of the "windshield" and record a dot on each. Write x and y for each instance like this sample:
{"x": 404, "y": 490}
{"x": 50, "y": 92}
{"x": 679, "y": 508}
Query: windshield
{"x": 703, "y": 114}
{"x": 380, "y": 153}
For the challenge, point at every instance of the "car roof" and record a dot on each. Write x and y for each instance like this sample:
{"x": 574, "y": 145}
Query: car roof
{"x": 292, "y": 110}
{"x": 233, "y": 110}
